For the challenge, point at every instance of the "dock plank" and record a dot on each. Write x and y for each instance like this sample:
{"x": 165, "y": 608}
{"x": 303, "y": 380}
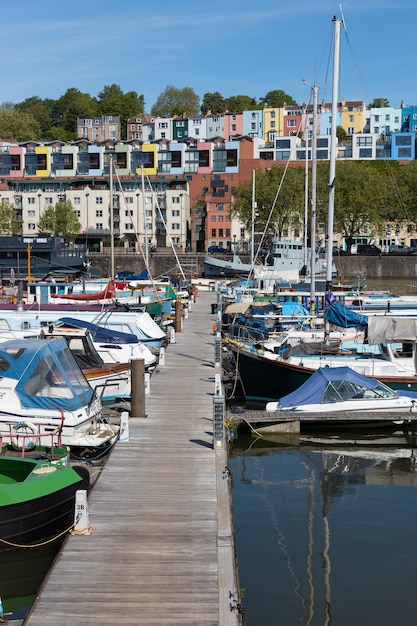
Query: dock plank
{"x": 161, "y": 550}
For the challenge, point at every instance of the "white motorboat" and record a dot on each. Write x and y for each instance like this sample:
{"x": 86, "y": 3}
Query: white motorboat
{"x": 42, "y": 388}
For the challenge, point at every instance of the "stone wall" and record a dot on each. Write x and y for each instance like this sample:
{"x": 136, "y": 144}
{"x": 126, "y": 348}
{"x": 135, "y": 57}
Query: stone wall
{"x": 165, "y": 263}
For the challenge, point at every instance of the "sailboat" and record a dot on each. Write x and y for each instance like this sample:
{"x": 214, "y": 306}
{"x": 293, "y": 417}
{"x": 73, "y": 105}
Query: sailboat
{"x": 287, "y": 261}
{"x": 267, "y": 376}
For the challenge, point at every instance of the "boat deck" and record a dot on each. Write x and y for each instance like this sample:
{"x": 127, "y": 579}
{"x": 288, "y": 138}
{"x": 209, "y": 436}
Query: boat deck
{"x": 162, "y": 546}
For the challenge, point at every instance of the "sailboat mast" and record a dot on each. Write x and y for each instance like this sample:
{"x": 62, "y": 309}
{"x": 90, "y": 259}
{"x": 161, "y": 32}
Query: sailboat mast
{"x": 145, "y": 223}
{"x": 333, "y": 147}
{"x": 315, "y": 90}
{"x": 111, "y": 218}
{"x": 252, "y": 244}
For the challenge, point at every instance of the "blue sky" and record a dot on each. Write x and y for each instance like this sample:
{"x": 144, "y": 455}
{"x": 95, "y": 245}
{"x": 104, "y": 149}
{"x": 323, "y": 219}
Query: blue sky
{"x": 231, "y": 46}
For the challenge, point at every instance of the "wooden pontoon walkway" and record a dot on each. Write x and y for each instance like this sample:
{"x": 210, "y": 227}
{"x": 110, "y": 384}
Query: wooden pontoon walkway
{"x": 162, "y": 546}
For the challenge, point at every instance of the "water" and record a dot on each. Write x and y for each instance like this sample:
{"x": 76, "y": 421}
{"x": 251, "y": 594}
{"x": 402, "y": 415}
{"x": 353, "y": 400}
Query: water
{"x": 325, "y": 535}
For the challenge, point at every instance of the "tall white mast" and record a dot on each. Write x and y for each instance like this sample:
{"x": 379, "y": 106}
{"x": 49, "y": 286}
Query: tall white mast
{"x": 332, "y": 170}
{"x": 315, "y": 90}
{"x": 333, "y": 148}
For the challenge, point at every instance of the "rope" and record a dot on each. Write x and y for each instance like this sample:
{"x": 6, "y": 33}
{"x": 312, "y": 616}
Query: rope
{"x": 37, "y": 545}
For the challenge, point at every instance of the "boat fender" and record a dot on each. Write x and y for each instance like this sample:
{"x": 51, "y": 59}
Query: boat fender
{"x": 18, "y": 441}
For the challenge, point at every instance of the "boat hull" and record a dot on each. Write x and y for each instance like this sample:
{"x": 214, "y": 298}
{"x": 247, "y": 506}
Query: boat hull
{"x": 39, "y": 518}
{"x": 265, "y": 380}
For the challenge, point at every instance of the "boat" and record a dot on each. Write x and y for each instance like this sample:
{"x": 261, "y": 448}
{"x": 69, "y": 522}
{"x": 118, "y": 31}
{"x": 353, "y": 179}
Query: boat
{"x": 104, "y": 295}
{"x": 111, "y": 381}
{"x": 140, "y": 324}
{"x": 26, "y": 257}
{"x": 37, "y": 499}
{"x": 42, "y": 388}
{"x": 113, "y": 346}
{"x": 286, "y": 262}
{"x": 389, "y": 354}
{"x": 333, "y": 390}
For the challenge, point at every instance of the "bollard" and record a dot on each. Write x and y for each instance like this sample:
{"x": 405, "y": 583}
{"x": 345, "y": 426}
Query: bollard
{"x": 81, "y": 525}
{"x": 217, "y": 350}
{"x": 178, "y": 316}
{"x": 137, "y": 401}
{"x": 161, "y": 360}
{"x": 217, "y": 385}
{"x": 172, "y": 335}
{"x": 124, "y": 426}
{"x": 186, "y": 313}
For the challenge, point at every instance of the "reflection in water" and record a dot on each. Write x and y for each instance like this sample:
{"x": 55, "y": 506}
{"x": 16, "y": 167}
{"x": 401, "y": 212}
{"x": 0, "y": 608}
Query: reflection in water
{"x": 325, "y": 533}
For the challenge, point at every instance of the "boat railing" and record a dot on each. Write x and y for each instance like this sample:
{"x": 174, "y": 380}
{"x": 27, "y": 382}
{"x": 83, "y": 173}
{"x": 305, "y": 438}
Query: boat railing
{"x": 25, "y": 436}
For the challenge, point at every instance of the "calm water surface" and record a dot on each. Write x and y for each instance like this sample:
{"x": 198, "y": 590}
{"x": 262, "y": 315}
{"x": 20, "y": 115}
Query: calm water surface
{"x": 325, "y": 535}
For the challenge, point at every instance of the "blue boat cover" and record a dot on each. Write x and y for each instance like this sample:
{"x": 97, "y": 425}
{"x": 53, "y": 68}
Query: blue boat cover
{"x": 313, "y": 391}
{"x": 99, "y": 333}
{"x": 47, "y": 373}
{"x": 343, "y": 317}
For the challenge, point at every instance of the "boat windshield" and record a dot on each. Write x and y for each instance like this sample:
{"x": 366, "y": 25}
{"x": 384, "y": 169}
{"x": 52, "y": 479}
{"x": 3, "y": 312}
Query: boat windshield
{"x": 50, "y": 378}
{"x": 338, "y": 391}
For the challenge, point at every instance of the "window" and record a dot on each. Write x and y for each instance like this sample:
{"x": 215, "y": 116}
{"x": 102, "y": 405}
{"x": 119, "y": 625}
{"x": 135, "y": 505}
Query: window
{"x": 77, "y": 200}
{"x": 31, "y": 213}
{"x": 220, "y": 207}
{"x": 213, "y": 218}
{"x": 99, "y": 226}
{"x": 129, "y": 200}
{"x": 129, "y": 226}
{"x": 221, "y": 232}
{"x": 129, "y": 212}
{"x": 291, "y": 123}
{"x": 175, "y": 213}
{"x": 31, "y": 200}
{"x": 49, "y": 200}
{"x": 213, "y": 232}
{"x": 176, "y": 226}
{"x": 220, "y": 218}
{"x": 31, "y": 226}
{"x": 99, "y": 200}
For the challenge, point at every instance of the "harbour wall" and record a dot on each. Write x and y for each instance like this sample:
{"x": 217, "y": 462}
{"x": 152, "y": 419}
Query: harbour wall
{"x": 167, "y": 263}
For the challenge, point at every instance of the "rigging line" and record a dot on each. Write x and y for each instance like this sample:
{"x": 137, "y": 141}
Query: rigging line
{"x": 355, "y": 63}
{"x": 129, "y": 213}
{"x": 166, "y": 230}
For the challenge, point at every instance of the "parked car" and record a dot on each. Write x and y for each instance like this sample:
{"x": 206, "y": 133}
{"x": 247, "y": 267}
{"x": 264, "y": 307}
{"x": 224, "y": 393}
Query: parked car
{"x": 394, "y": 249}
{"x": 367, "y": 249}
{"x": 217, "y": 249}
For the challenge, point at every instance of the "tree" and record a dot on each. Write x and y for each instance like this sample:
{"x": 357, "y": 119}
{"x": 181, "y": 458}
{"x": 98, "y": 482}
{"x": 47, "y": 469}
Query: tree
{"x": 279, "y": 196}
{"x": 276, "y": 99}
{"x": 341, "y": 134}
{"x": 213, "y": 102}
{"x": 41, "y": 110}
{"x": 9, "y": 224}
{"x": 378, "y": 103}
{"x": 21, "y": 126}
{"x": 175, "y": 101}
{"x": 59, "y": 220}
{"x": 238, "y": 104}
{"x": 72, "y": 105}
{"x": 112, "y": 101}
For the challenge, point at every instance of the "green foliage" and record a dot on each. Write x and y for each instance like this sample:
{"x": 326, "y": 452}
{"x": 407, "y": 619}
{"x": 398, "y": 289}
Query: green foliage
{"x": 112, "y": 101}
{"x": 213, "y": 102}
{"x": 368, "y": 194}
{"x": 276, "y": 99}
{"x": 238, "y": 104}
{"x": 72, "y": 105}
{"x": 59, "y": 220}
{"x": 9, "y": 225}
{"x": 378, "y": 103}
{"x": 275, "y": 211}
{"x": 22, "y": 126}
{"x": 341, "y": 134}
{"x": 175, "y": 101}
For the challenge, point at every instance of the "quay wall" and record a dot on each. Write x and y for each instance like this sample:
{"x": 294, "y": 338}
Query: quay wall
{"x": 166, "y": 263}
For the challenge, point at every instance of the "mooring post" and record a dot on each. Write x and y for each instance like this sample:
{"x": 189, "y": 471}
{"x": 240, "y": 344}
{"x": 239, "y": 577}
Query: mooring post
{"x": 137, "y": 402}
{"x": 178, "y": 316}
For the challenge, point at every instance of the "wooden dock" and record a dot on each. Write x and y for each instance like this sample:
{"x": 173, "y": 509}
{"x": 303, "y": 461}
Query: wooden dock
{"x": 162, "y": 547}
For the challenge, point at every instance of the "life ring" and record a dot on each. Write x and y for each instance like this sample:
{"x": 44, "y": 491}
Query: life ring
{"x": 20, "y": 442}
